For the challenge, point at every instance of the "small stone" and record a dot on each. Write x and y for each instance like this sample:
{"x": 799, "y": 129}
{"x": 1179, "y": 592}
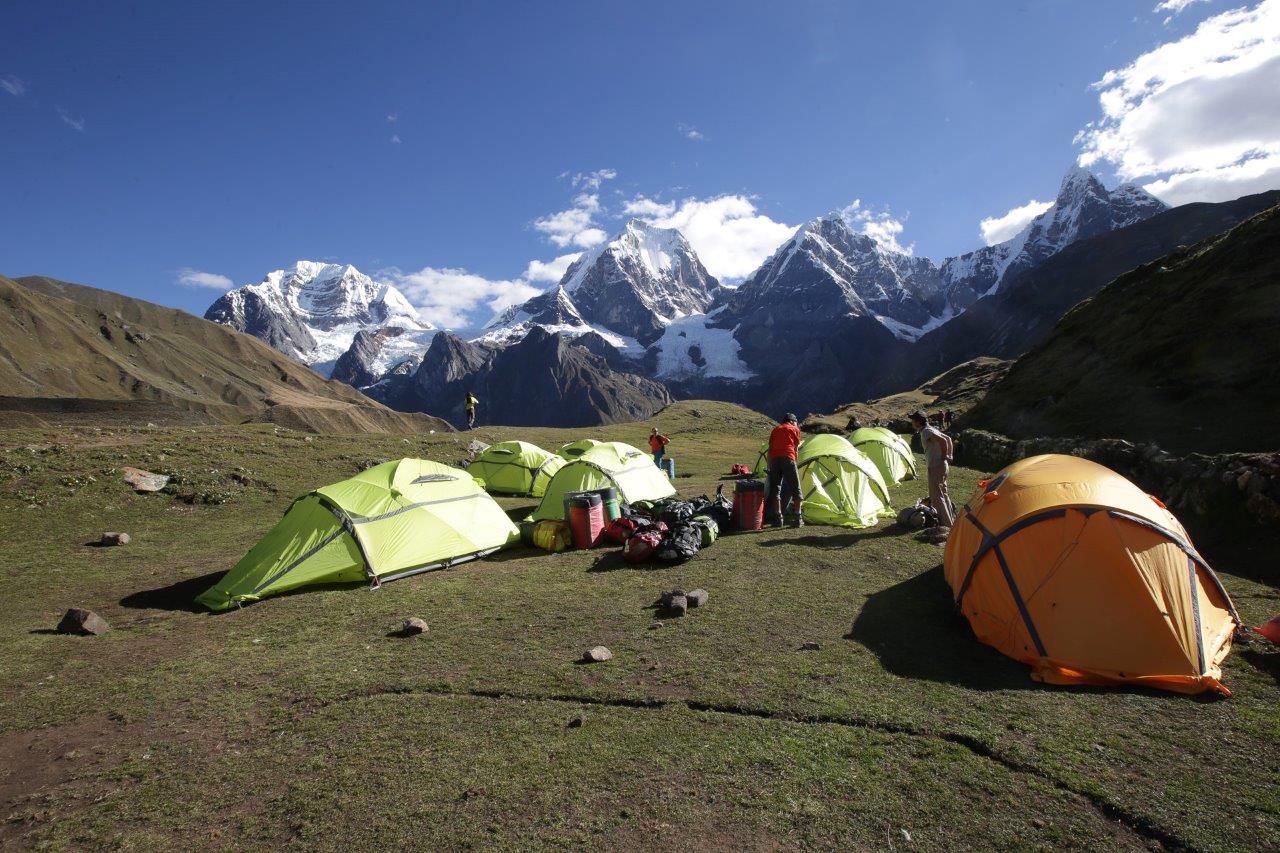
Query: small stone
{"x": 414, "y": 626}
{"x": 597, "y": 654}
{"x": 698, "y": 597}
{"x": 906, "y": 836}
{"x": 677, "y": 605}
{"x": 1038, "y": 823}
{"x": 811, "y": 646}
{"x": 578, "y": 722}
{"x": 114, "y": 538}
{"x": 77, "y": 620}
{"x": 655, "y": 625}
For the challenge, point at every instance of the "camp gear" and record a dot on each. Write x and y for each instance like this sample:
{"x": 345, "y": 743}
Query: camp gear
{"x": 612, "y": 506}
{"x": 584, "y": 511}
{"x": 574, "y": 449}
{"x": 891, "y": 455}
{"x": 620, "y": 530}
{"x": 515, "y": 468}
{"x": 918, "y": 516}
{"x": 392, "y": 520}
{"x": 1271, "y": 630}
{"x": 674, "y": 512}
{"x": 839, "y": 484}
{"x": 614, "y": 464}
{"x": 782, "y": 494}
{"x": 682, "y": 544}
{"x": 1062, "y": 564}
{"x": 707, "y": 528}
{"x": 748, "y": 505}
{"x": 739, "y": 470}
{"x": 640, "y": 547}
{"x": 551, "y": 535}
{"x": 784, "y": 440}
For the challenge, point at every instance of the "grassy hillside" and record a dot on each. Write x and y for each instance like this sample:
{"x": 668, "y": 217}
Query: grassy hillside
{"x": 1181, "y": 351}
{"x": 300, "y": 721}
{"x": 66, "y": 347}
{"x": 958, "y": 390}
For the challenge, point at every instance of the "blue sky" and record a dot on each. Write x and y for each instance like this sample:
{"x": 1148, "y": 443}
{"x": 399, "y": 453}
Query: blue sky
{"x": 146, "y": 139}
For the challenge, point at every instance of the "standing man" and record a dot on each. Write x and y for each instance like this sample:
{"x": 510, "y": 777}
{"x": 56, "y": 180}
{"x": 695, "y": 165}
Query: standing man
{"x": 470, "y": 405}
{"x": 658, "y": 444}
{"x": 784, "y": 478}
{"x": 938, "y": 451}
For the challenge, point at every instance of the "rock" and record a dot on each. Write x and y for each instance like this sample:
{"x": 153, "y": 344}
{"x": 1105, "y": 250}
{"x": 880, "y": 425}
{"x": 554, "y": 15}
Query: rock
{"x": 578, "y": 722}
{"x": 114, "y": 538}
{"x": 811, "y": 646}
{"x": 77, "y": 620}
{"x": 475, "y": 448}
{"x": 597, "y": 654}
{"x": 143, "y": 481}
{"x": 655, "y": 625}
{"x": 675, "y": 602}
{"x": 697, "y": 413}
{"x": 414, "y": 626}
{"x": 698, "y": 597}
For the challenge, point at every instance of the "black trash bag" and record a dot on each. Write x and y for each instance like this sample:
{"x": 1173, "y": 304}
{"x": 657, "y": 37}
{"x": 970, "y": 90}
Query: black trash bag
{"x": 676, "y": 512}
{"x": 682, "y": 544}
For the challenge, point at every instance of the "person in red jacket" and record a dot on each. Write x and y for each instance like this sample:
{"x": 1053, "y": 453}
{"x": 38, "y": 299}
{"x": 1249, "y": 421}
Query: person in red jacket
{"x": 784, "y": 478}
{"x": 658, "y": 444}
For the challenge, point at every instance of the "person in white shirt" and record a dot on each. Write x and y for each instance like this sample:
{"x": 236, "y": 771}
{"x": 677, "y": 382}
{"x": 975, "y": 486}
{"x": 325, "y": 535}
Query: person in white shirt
{"x": 938, "y": 451}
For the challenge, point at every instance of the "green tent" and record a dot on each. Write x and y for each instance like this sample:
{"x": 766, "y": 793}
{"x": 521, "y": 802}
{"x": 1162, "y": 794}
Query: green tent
{"x": 892, "y": 456}
{"x": 574, "y": 449}
{"x": 839, "y": 484}
{"x": 515, "y": 468}
{"x": 393, "y": 520}
{"x": 611, "y": 463}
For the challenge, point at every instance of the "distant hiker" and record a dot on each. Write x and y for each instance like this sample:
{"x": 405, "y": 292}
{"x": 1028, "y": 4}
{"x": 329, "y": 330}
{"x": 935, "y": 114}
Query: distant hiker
{"x": 946, "y": 420}
{"x": 470, "y": 406}
{"x": 784, "y": 478}
{"x": 938, "y": 451}
{"x": 658, "y": 444}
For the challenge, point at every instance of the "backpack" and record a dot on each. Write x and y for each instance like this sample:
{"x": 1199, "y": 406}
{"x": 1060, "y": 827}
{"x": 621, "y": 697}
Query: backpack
{"x": 707, "y": 527}
{"x": 552, "y": 535}
{"x": 683, "y": 544}
{"x": 641, "y": 546}
{"x": 919, "y": 516}
{"x": 739, "y": 470}
{"x": 620, "y": 530}
{"x": 676, "y": 512}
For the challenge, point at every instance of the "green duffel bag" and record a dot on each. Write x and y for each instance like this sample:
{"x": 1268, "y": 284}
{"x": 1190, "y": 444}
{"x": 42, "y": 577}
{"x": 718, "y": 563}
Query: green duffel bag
{"x": 707, "y": 528}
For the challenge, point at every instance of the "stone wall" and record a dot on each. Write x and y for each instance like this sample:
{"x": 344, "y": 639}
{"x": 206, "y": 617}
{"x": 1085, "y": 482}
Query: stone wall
{"x": 1214, "y": 494}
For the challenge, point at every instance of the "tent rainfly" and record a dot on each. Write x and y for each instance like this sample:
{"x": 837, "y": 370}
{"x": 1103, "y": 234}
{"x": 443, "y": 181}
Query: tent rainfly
{"x": 515, "y": 468}
{"x": 888, "y": 450}
{"x": 608, "y": 464}
{"x": 574, "y": 449}
{"x": 1066, "y": 566}
{"x": 391, "y": 521}
{"x": 839, "y": 484}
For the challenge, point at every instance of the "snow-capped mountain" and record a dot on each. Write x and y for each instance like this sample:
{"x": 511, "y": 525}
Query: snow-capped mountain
{"x": 627, "y": 289}
{"x": 1083, "y": 208}
{"x": 314, "y": 310}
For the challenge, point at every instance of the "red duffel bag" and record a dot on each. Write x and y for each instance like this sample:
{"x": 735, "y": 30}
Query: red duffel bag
{"x": 640, "y": 547}
{"x": 619, "y": 530}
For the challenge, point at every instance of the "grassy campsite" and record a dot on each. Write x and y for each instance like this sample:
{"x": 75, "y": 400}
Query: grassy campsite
{"x": 826, "y": 694}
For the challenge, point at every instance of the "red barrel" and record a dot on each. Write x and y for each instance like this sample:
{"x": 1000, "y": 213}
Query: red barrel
{"x": 585, "y": 513}
{"x": 748, "y": 504}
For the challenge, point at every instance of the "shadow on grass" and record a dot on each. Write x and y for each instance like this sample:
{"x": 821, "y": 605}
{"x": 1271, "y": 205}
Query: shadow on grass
{"x": 828, "y": 542}
{"x": 1263, "y": 662}
{"x": 912, "y": 627}
{"x": 180, "y": 596}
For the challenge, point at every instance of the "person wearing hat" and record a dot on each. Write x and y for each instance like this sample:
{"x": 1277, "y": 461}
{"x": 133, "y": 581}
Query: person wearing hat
{"x": 784, "y": 477}
{"x": 938, "y": 451}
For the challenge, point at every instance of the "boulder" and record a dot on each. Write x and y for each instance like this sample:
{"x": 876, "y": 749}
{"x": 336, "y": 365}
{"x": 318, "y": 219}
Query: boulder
{"x": 597, "y": 654}
{"x": 143, "y": 481}
{"x": 674, "y": 602}
{"x": 811, "y": 646}
{"x": 698, "y": 597}
{"x": 414, "y": 626}
{"x": 113, "y": 538}
{"x": 84, "y": 622}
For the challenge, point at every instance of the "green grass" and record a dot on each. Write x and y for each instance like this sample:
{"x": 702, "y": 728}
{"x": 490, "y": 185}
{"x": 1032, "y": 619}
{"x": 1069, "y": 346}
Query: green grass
{"x": 299, "y": 720}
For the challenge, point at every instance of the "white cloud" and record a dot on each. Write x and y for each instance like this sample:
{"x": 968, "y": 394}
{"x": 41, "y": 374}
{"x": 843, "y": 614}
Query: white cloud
{"x": 1198, "y": 118}
{"x": 395, "y": 139}
{"x": 449, "y": 297}
{"x": 76, "y": 124}
{"x": 13, "y": 85}
{"x": 881, "y": 227}
{"x": 574, "y": 226}
{"x": 1175, "y": 7}
{"x": 549, "y": 271}
{"x": 188, "y": 277}
{"x": 997, "y": 229}
{"x": 688, "y": 131}
{"x": 392, "y": 118}
{"x": 732, "y": 238}
{"x": 591, "y": 180}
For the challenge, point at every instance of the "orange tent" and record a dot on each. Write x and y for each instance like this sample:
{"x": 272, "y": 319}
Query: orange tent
{"x": 1065, "y": 565}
